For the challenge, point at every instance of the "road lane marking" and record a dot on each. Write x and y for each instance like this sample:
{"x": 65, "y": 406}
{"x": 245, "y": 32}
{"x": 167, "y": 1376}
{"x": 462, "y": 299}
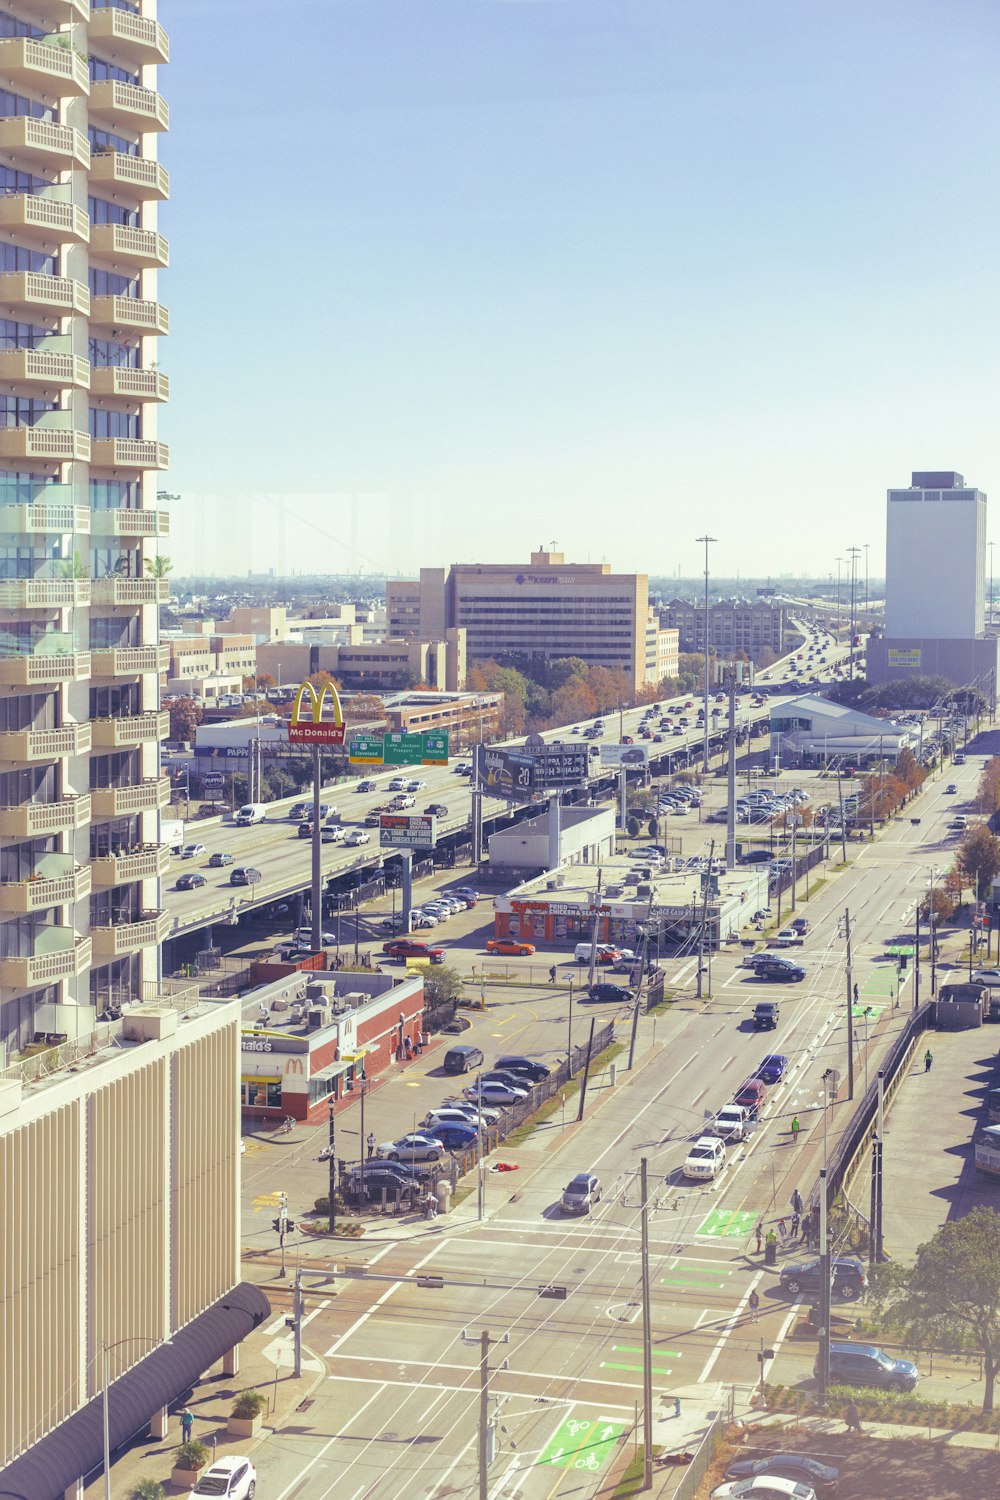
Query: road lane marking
{"x": 727, "y": 1329}
{"x": 337, "y": 1437}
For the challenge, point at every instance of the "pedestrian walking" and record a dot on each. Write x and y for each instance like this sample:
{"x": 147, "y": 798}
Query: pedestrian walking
{"x": 371, "y": 1144}
{"x": 759, "y": 1232}
{"x": 796, "y": 1201}
{"x": 794, "y": 1230}
{"x": 552, "y": 974}
{"x": 187, "y": 1425}
{"x": 782, "y": 1228}
{"x": 855, "y": 994}
{"x": 753, "y": 1302}
{"x": 772, "y": 1239}
{"x": 928, "y": 1060}
{"x": 852, "y": 1416}
{"x": 796, "y": 1127}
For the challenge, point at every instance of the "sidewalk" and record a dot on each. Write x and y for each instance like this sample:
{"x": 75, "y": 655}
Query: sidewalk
{"x": 890, "y": 1431}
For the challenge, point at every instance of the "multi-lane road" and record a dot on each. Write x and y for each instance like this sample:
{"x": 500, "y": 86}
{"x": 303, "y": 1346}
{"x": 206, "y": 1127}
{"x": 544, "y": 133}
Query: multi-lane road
{"x": 397, "y": 1411}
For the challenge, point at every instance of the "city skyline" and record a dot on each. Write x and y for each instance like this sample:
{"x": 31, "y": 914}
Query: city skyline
{"x": 576, "y": 260}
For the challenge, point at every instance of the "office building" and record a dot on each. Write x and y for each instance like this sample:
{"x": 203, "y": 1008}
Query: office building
{"x": 80, "y": 580}
{"x": 119, "y": 1176}
{"x": 547, "y": 609}
{"x": 935, "y": 586}
{"x": 398, "y": 662}
{"x": 734, "y": 625}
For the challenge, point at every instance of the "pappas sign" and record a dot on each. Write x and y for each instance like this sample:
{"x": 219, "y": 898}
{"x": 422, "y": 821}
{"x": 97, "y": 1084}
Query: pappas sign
{"x": 399, "y": 830}
{"x": 315, "y": 730}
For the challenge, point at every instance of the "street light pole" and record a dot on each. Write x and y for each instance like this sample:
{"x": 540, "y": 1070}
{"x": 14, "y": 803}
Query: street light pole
{"x": 707, "y": 540}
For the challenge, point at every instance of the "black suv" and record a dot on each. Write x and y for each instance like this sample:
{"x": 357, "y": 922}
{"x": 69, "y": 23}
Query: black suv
{"x": 847, "y": 1277}
{"x": 524, "y": 1067}
{"x": 865, "y": 1364}
{"x": 778, "y": 970}
{"x": 765, "y": 1015}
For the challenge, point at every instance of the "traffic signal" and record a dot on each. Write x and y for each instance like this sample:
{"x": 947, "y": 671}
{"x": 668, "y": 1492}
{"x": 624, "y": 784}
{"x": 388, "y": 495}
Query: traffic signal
{"x": 289, "y": 1225}
{"x": 277, "y": 1225}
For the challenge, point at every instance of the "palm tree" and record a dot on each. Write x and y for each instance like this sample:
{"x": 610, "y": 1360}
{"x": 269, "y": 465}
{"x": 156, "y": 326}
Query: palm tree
{"x": 159, "y": 567}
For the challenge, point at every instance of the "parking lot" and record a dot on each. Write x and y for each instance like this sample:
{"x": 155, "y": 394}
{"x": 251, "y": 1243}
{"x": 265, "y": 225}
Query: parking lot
{"x": 882, "y": 1468}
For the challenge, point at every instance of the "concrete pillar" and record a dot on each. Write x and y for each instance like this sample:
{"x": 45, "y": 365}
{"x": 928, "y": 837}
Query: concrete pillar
{"x": 75, "y": 1491}
{"x": 159, "y": 1423}
{"x": 231, "y": 1361}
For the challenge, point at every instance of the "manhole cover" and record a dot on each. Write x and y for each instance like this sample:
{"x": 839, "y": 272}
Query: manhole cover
{"x": 389, "y": 1437}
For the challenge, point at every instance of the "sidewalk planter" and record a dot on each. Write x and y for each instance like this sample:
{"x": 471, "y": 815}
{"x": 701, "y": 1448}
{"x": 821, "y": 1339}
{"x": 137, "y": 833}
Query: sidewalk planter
{"x": 190, "y": 1459}
{"x": 247, "y": 1416}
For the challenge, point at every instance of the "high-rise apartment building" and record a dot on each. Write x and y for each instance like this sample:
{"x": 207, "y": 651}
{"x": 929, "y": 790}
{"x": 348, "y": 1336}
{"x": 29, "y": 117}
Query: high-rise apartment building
{"x": 80, "y": 584}
{"x": 935, "y": 558}
{"x": 547, "y": 608}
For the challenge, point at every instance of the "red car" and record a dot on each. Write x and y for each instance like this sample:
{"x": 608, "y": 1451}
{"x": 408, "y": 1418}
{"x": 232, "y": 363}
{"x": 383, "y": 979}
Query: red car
{"x": 411, "y": 948}
{"x": 510, "y": 946}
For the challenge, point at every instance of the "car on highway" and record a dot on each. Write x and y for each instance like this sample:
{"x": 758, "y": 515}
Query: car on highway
{"x": 526, "y": 1067}
{"x": 234, "y": 1478}
{"x": 397, "y": 784}
{"x": 219, "y": 860}
{"x": 366, "y": 786}
{"x": 190, "y": 882}
{"x": 866, "y": 1364}
{"x": 511, "y": 947}
{"x": 403, "y": 800}
{"x": 706, "y": 1158}
{"x": 581, "y": 1193}
{"x": 300, "y": 810}
{"x": 772, "y": 1069}
{"x": 751, "y": 1094}
{"x": 416, "y": 786}
{"x": 848, "y": 1277}
{"x": 411, "y": 1147}
{"x": 776, "y": 970}
{"x": 436, "y": 809}
{"x": 244, "y": 875}
{"x": 335, "y": 835}
{"x": 356, "y": 837}
{"x": 191, "y": 851}
{"x": 306, "y": 829}
{"x": 494, "y": 1093}
{"x": 412, "y": 948}
{"x": 801, "y": 925}
{"x": 950, "y": 788}
{"x": 610, "y": 994}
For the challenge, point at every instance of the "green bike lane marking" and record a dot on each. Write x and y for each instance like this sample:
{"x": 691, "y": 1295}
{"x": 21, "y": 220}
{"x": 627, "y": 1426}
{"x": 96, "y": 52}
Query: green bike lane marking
{"x": 727, "y": 1223}
{"x": 584, "y": 1442}
{"x": 658, "y": 1354}
{"x": 694, "y": 1279}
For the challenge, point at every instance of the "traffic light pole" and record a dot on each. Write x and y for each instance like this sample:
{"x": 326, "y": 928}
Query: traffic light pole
{"x": 317, "y": 846}
{"x": 824, "y": 1293}
{"x": 333, "y": 1166}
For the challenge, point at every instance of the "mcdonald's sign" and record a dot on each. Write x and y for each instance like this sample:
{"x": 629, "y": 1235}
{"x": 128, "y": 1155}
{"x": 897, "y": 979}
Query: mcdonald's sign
{"x": 314, "y": 729}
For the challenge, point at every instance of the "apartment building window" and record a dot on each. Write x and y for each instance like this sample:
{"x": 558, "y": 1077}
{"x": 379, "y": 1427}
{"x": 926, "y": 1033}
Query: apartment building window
{"x": 122, "y": 904}
{"x": 127, "y": 5}
{"x": 30, "y": 784}
{"x": 26, "y": 558}
{"x": 121, "y": 701}
{"x": 103, "y": 141}
{"x": 114, "y": 494}
{"x": 13, "y": 182}
{"x": 108, "y": 422}
{"x": 120, "y": 768}
{"x": 14, "y": 335}
{"x": 111, "y": 284}
{"x": 103, "y": 212}
{"x": 18, "y": 862}
{"x": 114, "y": 836}
{"x": 27, "y": 711}
{"x": 12, "y": 26}
{"x": 13, "y": 105}
{"x": 23, "y": 411}
{"x": 110, "y": 632}
{"x": 115, "y": 982}
{"x": 20, "y": 258}
{"x": 17, "y": 938}
{"x": 105, "y": 72}
{"x": 107, "y": 354}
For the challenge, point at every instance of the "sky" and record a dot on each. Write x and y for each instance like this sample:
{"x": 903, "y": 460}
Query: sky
{"x": 452, "y": 280}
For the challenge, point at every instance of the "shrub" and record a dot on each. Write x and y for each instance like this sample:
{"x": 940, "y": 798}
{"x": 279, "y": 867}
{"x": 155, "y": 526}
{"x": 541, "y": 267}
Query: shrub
{"x": 192, "y": 1455}
{"x": 633, "y": 828}
{"x": 147, "y": 1489}
{"x": 249, "y": 1403}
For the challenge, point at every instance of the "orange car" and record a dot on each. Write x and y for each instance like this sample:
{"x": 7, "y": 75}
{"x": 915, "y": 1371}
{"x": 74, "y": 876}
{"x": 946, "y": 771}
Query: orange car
{"x": 510, "y": 946}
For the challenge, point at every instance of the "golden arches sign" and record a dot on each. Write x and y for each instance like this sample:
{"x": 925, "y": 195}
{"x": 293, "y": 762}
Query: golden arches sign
{"x": 314, "y": 729}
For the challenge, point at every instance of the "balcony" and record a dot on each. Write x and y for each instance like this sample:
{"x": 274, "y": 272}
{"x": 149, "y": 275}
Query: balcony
{"x": 129, "y": 453}
{"x": 56, "y": 13}
{"x": 39, "y": 818}
{"x": 135, "y": 40}
{"x": 28, "y": 746}
{"x": 18, "y": 898}
{"x": 128, "y": 314}
{"x": 31, "y": 291}
{"x": 135, "y": 729}
{"x": 134, "y": 385}
{"x": 124, "y": 522}
{"x": 51, "y": 517}
{"x": 44, "y": 221}
{"x": 38, "y": 367}
{"x": 150, "y": 862}
{"x": 129, "y": 661}
{"x": 62, "y": 956}
{"x": 136, "y": 177}
{"x": 44, "y": 668}
{"x": 48, "y": 444}
{"x": 150, "y": 929}
{"x": 122, "y": 106}
{"x": 37, "y": 146}
{"x": 143, "y": 248}
{"x": 43, "y": 67}
{"x": 123, "y": 801}
{"x": 130, "y": 591}
{"x": 43, "y": 593}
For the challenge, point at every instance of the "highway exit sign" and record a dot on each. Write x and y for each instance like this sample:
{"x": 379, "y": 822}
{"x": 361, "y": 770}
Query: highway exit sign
{"x": 396, "y": 749}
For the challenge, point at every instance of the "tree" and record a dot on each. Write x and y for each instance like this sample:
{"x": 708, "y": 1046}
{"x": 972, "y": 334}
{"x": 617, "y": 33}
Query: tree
{"x": 940, "y": 902}
{"x": 653, "y": 828}
{"x": 633, "y": 827}
{"x": 951, "y": 1295}
{"x": 185, "y": 716}
{"x": 159, "y": 567}
{"x": 909, "y": 771}
{"x": 979, "y": 858}
{"x": 365, "y": 706}
{"x": 441, "y": 984}
{"x": 988, "y": 796}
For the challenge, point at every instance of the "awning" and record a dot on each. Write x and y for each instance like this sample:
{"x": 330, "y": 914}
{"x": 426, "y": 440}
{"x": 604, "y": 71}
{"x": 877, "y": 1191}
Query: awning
{"x": 76, "y": 1448}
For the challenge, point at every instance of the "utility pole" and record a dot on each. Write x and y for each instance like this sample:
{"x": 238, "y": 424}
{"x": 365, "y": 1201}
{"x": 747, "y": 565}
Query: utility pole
{"x": 317, "y": 848}
{"x": 854, "y": 553}
{"x": 824, "y": 1292}
{"x": 850, "y": 1005}
{"x": 487, "y": 1432}
{"x": 916, "y": 965}
{"x": 296, "y": 1322}
{"x": 875, "y": 1220}
{"x": 332, "y": 1148}
{"x": 731, "y": 778}
{"x": 647, "y": 1339}
{"x": 706, "y": 539}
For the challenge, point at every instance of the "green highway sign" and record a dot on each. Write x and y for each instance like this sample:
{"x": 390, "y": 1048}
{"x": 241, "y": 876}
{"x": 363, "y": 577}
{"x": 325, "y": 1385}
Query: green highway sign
{"x": 366, "y": 750}
{"x": 429, "y": 748}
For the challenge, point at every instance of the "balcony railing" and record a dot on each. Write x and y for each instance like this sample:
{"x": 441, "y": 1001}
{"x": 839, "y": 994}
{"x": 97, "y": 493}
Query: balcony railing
{"x": 44, "y": 593}
{"x": 137, "y": 176}
{"x": 138, "y": 385}
{"x": 150, "y": 862}
{"x": 135, "y": 729}
{"x": 150, "y": 929}
{"x": 52, "y": 444}
{"x": 39, "y": 367}
{"x": 136, "y": 38}
{"x": 130, "y": 591}
{"x": 133, "y": 247}
{"x": 45, "y": 66}
{"x": 39, "y": 667}
{"x": 21, "y": 897}
{"x": 33, "y": 290}
{"x": 122, "y": 801}
{"x": 124, "y": 104}
{"x": 129, "y": 313}
{"x": 129, "y": 661}
{"x": 129, "y": 453}
{"x": 49, "y": 516}
{"x": 45, "y": 219}
{"x": 25, "y": 746}
{"x": 130, "y": 522}
{"x": 34, "y": 819}
{"x": 71, "y": 957}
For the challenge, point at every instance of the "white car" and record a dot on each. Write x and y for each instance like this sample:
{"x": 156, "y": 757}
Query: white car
{"x": 235, "y": 1478}
{"x": 451, "y": 1114}
{"x": 416, "y": 786}
{"x": 706, "y": 1158}
{"x": 304, "y": 935}
{"x": 335, "y": 835}
{"x": 191, "y": 851}
{"x": 357, "y": 836}
{"x": 986, "y": 976}
{"x": 412, "y": 1147}
{"x": 764, "y": 1487}
{"x": 787, "y": 938}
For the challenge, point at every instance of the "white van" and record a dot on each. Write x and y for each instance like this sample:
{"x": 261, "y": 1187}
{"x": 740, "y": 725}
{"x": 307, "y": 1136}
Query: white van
{"x": 252, "y": 812}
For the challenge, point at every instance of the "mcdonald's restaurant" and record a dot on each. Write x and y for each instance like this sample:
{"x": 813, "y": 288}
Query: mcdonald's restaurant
{"x": 311, "y": 1036}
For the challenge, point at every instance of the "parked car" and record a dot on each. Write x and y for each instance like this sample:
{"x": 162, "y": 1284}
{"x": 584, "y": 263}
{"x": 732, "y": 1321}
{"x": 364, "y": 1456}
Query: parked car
{"x": 219, "y": 861}
{"x": 986, "y": 976}
{"x": 192, "y": 851}
{"x": 731, "y": 1122}
{"x": 847, "y": 1277}
{"x": 235, "y": 1478}
{"x": 457, "y": 1136}
{"x": 581, "y": 1193}
{"x": 190, "y": 882}
{"x": 510, "y": 946}
{"x": 244, "y": 875}
{"x": 706, "y": 1158}
{"x": 766, "y": 1014}
{"x": 411, "y": 1147}
{"x": 450, "y": 1114}
{"x": 751, "y": 1095}
{"x": 534, "y": 1071}
{"x": 772, "y": 1068}
{"x": 508, "y": 1079}
{"x": 412, "y": 948}
{"x": 866, "y": 1364}
{"x": 609, "y": 993}
{"x": 494, "y": 1093}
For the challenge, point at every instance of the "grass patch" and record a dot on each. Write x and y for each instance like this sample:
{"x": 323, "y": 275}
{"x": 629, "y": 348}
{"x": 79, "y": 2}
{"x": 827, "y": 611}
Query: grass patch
{"x": 631, "y": 1481}
{"x": 897, "y": 1408}
{"x": 669, "y": 996}
{"x": 569, "y": 1089}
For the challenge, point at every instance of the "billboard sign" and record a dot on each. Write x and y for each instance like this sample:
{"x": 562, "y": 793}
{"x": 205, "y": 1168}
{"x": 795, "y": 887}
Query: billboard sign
{"x": 429, "y": 748}
{"x": 310, "y": 727}
{"x": 407, "y": 831}
{"x": 613, "y": 757}
{"x": 503, "y": 773}
{"x": 555, "y": 764}
{"x": 904, "y": 659}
